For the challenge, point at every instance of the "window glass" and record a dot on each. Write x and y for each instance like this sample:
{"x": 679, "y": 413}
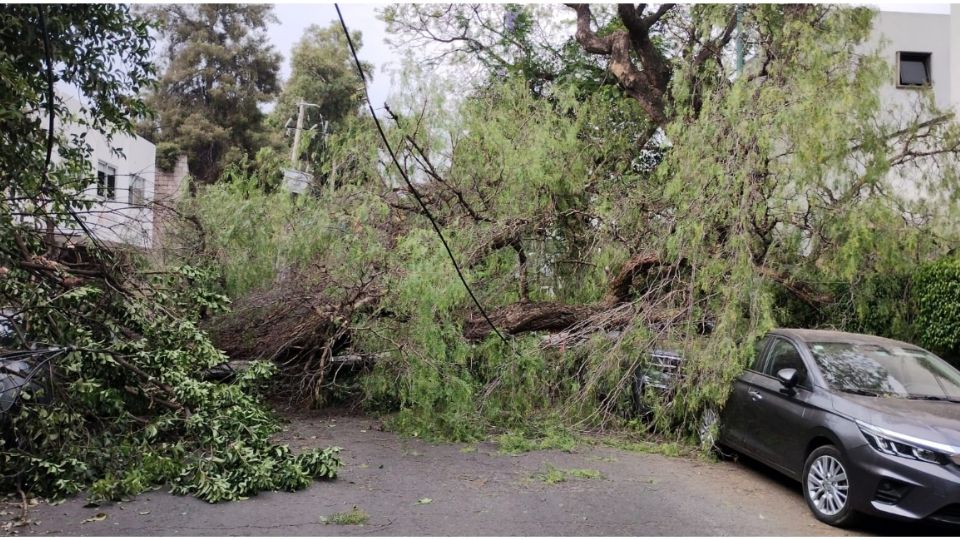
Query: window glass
{"x": 106, "y": 181}
{"x": 758, "y": 356}
{"x": 783, "y": 355}
{"x": 914, "y": 69}
{"x": 902, "y": 372}
{"x": 137, "y": 185}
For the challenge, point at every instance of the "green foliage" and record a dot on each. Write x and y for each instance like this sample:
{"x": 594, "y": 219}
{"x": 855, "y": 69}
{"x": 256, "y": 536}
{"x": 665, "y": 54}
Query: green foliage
{"x": 167, "y": 155}
{"x": 323, "y": 74}
{"x": 764, "y": 199}
{"x": 153, "y": 419}
{"x": 667, "y": 448}
{"x": 526, "y": 42}
{"x": 551, "y": 436}
{"x": 81, "y": 61}
{"x": 264, "y": 173}
{"x": 254, "y": 235}
{"x": 220, "y": 68}
{"x": 124, "y": 403}
{"x": 936, "y": 291}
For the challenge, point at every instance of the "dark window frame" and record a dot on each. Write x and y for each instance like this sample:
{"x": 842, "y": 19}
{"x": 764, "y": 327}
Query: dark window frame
{"x": 806, "y": 383}
{"x": 914, "y": 56}
{"x": 761, "y": 354}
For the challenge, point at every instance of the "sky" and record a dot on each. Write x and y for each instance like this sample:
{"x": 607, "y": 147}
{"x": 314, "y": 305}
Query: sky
{"x": 295, "y": 17}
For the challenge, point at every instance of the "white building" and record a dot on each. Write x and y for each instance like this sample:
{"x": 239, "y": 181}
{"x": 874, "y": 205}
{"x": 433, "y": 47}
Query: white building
{"x": 122, "y": 184}
{"x": 924, "y": 49}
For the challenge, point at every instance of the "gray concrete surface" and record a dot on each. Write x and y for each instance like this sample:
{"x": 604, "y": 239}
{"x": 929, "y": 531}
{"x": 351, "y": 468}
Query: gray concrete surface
{"x": 476, "y": 491}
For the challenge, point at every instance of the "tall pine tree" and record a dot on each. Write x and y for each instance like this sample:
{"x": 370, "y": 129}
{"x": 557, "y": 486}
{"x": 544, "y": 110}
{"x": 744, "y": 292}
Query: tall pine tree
{"x": 219, "y": 69}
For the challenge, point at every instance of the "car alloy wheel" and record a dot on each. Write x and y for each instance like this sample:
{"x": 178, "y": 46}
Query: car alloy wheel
{"x": 828, "y": 485}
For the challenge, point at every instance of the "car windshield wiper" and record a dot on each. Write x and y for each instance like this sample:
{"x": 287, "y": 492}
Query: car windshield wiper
{"x": 862, "y": 392}
{"x": 933, "y": 398}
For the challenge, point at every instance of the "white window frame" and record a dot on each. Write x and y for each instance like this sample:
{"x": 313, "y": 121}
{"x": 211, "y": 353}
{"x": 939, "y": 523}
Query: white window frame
{"x": 104, "y": 188}
{"x": 137, "y": 193}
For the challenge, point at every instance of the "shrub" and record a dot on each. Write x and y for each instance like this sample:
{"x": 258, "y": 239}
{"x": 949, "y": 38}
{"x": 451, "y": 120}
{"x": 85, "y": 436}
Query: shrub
{"x": 937, "y": 295}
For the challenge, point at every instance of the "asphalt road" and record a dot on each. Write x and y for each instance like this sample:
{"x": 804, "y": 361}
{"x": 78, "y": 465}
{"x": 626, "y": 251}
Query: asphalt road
{"x": 410, "y": 487}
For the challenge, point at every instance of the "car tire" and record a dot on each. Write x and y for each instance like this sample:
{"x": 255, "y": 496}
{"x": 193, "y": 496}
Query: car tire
{"x": 827, "y": 487}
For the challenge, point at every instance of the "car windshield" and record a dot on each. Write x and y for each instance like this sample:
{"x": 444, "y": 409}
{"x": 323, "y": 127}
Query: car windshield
{"x": 886, "y": 370}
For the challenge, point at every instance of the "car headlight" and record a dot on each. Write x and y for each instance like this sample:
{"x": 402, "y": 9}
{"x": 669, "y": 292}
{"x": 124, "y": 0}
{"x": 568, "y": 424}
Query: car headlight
{"x": 898, "y": 444}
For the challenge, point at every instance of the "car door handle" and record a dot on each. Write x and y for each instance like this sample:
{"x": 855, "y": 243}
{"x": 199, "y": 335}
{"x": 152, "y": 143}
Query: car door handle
{"x": 754, "y": 395}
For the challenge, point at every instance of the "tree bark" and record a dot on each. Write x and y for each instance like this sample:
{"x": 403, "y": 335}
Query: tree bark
{"x": 530, "y": 317}
{"x": 527, "y": 316}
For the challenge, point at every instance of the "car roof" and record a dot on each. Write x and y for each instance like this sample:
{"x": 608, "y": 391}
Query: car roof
{"x": 833, "y": 336}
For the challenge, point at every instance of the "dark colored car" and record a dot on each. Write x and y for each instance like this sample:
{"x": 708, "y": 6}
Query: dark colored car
{"x": 868, "y": 425}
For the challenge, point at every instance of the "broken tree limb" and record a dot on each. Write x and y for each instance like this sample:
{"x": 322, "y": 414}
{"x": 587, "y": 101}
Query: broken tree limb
{"x": 529, "y": 317}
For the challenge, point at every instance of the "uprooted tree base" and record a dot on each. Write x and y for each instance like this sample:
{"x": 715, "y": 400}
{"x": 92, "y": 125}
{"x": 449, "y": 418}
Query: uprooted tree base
{"x": 302, "y": 324}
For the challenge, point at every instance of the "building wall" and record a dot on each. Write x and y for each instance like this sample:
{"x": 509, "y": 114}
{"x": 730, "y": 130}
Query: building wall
{"x": 939, "y": 35}
{"x": 170, "y": 185}
{"x": 955, "y": 56}
{"x": 118, "y": 220}
{"x": 918, "y": 32}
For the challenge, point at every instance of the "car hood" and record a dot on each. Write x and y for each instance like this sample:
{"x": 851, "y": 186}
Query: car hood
{"x": 936, "y": 421}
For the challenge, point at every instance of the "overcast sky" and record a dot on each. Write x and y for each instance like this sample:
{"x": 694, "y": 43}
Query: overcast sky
{"x": 294, "y": 18}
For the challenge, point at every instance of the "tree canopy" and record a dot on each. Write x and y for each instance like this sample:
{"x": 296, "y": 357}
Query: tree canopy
{"x": 676, "y": 201}
{"x": 219, "y": 69}
{"x": 322, "y": 73}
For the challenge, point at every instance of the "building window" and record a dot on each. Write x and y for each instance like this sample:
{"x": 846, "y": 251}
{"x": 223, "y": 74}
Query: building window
{"x": 137, "y": 186}
{"x": 106, "y": 181}
{"x": 913, "y": 69}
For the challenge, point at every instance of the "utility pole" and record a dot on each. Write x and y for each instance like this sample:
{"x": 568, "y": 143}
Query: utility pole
{"x": 294, "y": 178}
{"x": 296, "y": 135}
{"x": 740, "y": 44}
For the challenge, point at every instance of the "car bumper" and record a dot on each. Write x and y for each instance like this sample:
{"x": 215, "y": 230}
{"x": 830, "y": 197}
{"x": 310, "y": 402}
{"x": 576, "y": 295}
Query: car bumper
{"x": 904, "y": 488}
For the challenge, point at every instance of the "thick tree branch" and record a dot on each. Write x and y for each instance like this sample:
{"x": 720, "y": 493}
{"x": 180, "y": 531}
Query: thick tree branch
{"x": 648, "y": 82}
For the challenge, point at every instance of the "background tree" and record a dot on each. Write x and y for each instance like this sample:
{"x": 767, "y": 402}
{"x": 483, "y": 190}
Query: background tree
{"x": 322, "y": 72}
{"x": 490, "y": 42}
{"x": 219, "y": 70}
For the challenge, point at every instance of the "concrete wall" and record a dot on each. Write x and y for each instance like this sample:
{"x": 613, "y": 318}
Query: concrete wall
{"x": 170, "y": 185}
{"x": 939, "y": 35}
{"x": 917, "y": 32}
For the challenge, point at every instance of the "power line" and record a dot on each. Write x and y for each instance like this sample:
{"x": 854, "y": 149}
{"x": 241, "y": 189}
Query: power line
{"x": 403, "y": 174}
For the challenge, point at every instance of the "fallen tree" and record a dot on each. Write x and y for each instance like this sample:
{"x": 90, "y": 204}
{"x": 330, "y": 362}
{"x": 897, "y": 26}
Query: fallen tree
{"x": 671, "y": 200}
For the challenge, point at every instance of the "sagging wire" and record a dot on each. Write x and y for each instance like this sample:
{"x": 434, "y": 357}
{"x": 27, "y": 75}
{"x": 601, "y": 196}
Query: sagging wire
{"x": 403, "y": 174}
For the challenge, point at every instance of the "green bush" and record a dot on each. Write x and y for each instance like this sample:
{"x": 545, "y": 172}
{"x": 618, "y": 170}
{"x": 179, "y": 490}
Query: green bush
{"x": 167, "y": 155}
{"x": 937, "y": 296}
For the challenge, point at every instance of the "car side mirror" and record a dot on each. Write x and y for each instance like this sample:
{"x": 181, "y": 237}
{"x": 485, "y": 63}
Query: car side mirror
{"x": 788, "y": 377}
